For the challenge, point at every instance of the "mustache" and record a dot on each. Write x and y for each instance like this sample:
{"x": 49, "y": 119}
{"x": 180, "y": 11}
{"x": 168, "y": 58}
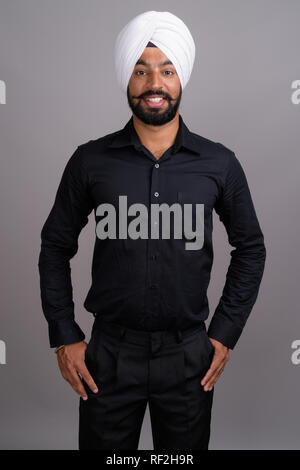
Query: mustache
{"x": 150, "y": 93}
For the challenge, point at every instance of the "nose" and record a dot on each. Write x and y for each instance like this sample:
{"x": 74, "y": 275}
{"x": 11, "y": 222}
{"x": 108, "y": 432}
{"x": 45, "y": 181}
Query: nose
{"x": 155, "y": 80}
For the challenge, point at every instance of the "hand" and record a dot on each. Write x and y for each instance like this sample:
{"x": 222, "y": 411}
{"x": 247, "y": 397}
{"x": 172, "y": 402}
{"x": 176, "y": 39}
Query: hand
{"x": 71, "y": 362}
{"x": 220, "y": 358}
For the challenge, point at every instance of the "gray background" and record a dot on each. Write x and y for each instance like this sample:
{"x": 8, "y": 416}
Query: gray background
{"x": 57, "y": 62}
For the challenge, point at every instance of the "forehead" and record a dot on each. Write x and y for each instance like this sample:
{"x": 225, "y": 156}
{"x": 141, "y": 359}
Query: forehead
{"x": 153, "y": 56}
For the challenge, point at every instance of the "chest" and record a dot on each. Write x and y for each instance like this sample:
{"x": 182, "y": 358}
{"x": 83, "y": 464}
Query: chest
{"x": 176, "y": 180}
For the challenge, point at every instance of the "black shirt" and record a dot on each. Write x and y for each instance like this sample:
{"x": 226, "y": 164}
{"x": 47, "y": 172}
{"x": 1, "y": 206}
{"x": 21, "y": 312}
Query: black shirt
{"x": 151, "y": 283}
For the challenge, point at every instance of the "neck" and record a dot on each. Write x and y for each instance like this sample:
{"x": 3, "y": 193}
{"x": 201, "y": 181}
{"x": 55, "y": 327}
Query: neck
{"x": 157, "y": 138}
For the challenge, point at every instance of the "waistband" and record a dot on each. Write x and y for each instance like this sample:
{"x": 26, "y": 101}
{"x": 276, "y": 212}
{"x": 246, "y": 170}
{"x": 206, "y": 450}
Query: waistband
{"x": 143, "y": 337}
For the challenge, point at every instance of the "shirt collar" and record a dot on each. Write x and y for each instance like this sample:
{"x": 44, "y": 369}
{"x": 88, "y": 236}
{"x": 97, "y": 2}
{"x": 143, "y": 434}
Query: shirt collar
{"x": 128, "y": 136}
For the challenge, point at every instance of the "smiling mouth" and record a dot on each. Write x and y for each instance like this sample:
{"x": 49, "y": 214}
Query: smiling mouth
{"x": 155, "y": 102}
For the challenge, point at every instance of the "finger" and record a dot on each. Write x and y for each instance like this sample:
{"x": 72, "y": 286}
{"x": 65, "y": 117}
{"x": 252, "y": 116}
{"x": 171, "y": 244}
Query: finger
{"x": 76, "y": 384}
{"x": 215, "y": 365}
{"x": 83, "y": 370}
{"x": 213, "y": 380}
{"x": 214, "y": 369}
{"x": 212, "y": 383}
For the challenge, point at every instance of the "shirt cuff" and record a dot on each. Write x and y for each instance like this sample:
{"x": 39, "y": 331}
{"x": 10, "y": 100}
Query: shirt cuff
{"x": 224, "y": 330}
{"x": 64, "y": 331}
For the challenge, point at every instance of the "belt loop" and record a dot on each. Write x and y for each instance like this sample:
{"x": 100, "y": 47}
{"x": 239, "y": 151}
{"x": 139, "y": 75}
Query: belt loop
{"x": 179, "y": 336}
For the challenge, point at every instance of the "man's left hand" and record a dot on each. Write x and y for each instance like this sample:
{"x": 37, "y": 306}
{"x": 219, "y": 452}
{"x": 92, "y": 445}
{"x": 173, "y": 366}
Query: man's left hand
{"x": 220, "y": 358}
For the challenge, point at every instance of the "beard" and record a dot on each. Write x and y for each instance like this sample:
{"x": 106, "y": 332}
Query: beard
{"x": 155, "y": 116}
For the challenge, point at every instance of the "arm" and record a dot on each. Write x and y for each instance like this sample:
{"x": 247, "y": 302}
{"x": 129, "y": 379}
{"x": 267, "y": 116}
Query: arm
{"x": 59, "y": 243}
{"x": 236, "y": 211}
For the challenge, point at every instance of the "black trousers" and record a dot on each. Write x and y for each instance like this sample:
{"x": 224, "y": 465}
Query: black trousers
{"x": 132, "y": 368}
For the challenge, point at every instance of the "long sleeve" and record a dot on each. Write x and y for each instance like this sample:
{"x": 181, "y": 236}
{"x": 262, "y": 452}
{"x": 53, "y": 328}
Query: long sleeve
{"x": 236, "y": 211}
{"x": 59, "y": 243}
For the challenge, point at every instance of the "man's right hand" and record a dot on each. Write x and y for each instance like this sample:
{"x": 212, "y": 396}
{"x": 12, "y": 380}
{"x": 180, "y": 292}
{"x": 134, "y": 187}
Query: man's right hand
{"x": 71, "y": 363}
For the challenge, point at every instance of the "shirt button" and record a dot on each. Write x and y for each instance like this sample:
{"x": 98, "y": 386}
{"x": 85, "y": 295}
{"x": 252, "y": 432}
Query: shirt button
{"x": 156, "y": 165}
{"x": 156, "y": 194}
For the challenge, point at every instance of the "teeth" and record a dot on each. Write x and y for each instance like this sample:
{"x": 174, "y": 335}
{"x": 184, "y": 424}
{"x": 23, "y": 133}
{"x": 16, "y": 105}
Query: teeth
{"x": 155, "y": 100}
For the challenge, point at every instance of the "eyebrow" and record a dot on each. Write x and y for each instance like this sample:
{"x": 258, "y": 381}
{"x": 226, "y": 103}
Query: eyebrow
{"x": 142, "y": 62}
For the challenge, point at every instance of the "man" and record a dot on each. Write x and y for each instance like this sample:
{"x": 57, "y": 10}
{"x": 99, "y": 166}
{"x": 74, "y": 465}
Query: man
{"x": 149, "y": 342}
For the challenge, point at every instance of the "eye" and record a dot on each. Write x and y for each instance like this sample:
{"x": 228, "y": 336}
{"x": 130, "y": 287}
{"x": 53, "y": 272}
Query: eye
{"x": 138, "y": 71}
{"x": 170, "y": 71}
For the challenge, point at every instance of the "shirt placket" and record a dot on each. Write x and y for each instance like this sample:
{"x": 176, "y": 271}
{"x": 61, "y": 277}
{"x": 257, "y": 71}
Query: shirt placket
{"x": 153, "y": 247}
{"x": 153, "y": 286}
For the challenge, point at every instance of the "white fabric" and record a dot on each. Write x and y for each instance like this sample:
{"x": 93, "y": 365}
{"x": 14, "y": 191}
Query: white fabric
{"x": 167, "y": 32}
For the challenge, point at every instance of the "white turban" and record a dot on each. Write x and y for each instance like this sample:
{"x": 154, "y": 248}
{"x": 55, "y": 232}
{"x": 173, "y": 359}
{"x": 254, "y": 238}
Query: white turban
{"x": 167, "y": 32}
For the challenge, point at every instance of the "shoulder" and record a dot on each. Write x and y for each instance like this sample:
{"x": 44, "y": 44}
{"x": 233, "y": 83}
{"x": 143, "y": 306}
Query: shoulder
{"x": 209, "y": 144}
{"x": 91, "y": 151}
{"x": 98, "y": 145}
{"x": 209, "y": 148}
